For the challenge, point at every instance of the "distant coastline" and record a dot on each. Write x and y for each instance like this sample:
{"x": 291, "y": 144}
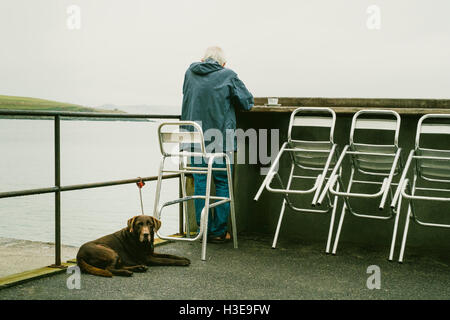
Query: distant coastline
{"x": 37, "y": 104}
{"x": 28, "y": 103}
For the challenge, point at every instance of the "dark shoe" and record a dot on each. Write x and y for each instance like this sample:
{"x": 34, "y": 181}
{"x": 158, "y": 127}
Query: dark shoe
{"x": 221, "y": 239}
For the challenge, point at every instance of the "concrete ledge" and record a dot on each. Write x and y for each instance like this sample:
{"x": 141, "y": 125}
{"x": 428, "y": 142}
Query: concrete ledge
{"x": 22, "y": 277}
{"x": 352, "y": 105}
{"x": 402, "y": 111}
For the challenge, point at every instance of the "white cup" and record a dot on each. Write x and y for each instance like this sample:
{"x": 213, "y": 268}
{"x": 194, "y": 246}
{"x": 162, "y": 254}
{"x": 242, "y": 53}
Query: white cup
{"x": 272, "y": 101}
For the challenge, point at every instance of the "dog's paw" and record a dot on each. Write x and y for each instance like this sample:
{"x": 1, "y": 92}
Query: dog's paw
{"x": 141, "y": 268}
{"x": 185, "y": 262}
{"x": 138, "y": 268}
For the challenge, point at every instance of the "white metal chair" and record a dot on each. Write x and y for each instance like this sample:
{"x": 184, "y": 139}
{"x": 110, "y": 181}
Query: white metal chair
{"x": 370, "y": 162}
{"x": 311, "y": 162}
{"x": 431, "y": 167}
{"x": 170, "y": 142}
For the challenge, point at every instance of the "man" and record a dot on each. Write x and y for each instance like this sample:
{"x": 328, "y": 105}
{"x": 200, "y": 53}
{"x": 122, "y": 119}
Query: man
{"x": 211, "y": 94}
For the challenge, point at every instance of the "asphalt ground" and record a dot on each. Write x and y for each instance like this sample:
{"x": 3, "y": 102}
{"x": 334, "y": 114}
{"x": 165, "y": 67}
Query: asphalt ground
{"x": 296, "y": 270}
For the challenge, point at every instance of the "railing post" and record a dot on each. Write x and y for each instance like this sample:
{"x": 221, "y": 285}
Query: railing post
{"x": 181, "y": 213}
{"x": 58, "y": 192}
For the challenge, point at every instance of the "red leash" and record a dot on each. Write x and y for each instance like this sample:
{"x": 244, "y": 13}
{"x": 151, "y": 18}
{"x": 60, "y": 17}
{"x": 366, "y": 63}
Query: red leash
{"x": 140, "y": 184}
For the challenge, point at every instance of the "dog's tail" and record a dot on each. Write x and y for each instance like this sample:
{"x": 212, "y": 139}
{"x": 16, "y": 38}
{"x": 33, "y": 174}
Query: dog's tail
{"x": 84, "y": 266}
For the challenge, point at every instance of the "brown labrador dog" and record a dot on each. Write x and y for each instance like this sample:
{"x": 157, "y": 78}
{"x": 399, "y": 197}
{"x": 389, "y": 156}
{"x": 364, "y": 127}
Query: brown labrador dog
{"x": 126, "y": 251}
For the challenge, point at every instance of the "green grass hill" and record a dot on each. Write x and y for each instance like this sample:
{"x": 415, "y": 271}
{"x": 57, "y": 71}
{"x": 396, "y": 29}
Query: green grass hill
{"x": 26, "y": 103}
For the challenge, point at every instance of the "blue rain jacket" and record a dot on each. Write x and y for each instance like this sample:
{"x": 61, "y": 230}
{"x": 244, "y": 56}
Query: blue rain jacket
{"x": 211, "y": 95}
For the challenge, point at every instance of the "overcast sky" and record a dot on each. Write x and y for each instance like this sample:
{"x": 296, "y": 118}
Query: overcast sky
{"x": 132, "y": 52}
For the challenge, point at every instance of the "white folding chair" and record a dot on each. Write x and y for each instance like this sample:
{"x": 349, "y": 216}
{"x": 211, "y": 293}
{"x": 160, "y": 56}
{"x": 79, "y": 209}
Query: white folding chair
{"x": 170, "y": 142}
{"x": 431, "y": 167}
{"x": 311, "y": 162}
{"x": 369, "y": 162}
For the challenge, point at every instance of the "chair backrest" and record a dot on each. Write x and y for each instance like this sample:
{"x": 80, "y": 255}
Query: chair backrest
{"x": 437, "y": 127}
{"x": 379, "y": 123}
{"x": 312, "y": 117}
{"x": 169, "y": 141}
{"x": 379, "y": 120}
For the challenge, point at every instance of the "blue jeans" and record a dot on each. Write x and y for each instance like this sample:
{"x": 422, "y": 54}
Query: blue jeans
{"x": 217, "y": 223}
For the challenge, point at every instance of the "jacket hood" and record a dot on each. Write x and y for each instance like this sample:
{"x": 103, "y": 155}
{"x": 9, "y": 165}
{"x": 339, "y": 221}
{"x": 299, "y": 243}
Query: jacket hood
{"x": 205, "y": 67}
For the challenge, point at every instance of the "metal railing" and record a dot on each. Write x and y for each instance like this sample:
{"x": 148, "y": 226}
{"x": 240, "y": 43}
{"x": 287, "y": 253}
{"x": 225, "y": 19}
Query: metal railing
{"x": 58, "y": 188}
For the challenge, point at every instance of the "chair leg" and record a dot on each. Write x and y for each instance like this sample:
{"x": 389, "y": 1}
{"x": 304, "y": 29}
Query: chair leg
{"x": 233, "y": 225}
{"x": 344, "y": 209}
{"x": 394, "y": 233}
{"x": 206, "y": 208}
{"x": 204, "y": 221}
{"x": 338, "y": 233}
{"x": 283, "y": 208}
{"x": 158, "y": 188}
{"x": 232, "y": 209}
{"x": 408, "y": 219}
{"x": 184, "y": 194}
{"x": 405, "y": 234}
{"x": 333, "y": 215}
{"x": 280, "y": 219}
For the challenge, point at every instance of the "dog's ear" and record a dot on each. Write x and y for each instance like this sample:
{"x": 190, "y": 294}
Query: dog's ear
{"x": 156, "y": 223}
{"x": 130, "y": 223}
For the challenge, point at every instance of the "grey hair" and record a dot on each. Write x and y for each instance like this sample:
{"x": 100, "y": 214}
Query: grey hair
{"x": 215, "y": 53}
